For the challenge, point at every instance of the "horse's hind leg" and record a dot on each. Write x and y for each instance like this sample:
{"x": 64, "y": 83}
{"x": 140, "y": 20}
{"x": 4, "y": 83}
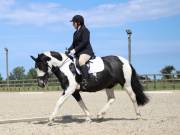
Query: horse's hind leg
{"x": 111, "y": 99}
{"x": 127, "y": 70}
{"x": 132, "y": 96}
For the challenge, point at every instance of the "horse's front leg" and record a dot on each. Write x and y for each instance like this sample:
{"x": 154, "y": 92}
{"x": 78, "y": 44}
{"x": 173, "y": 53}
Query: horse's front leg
{"x": 81, "y": 103}
{"x": 61, "y": 100}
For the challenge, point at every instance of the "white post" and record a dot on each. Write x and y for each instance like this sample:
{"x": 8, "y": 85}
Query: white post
{"x": 7, "y": 67}
{"x": 129, "y": 32}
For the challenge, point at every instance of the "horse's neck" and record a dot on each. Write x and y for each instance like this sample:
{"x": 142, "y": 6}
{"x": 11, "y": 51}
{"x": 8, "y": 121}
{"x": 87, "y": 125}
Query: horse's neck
{"x": 56, "y": 67}
{"x": 58, "y": 63}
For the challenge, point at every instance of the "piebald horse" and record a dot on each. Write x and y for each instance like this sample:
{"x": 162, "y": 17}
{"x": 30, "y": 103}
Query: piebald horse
{"x": 117, "y": 70}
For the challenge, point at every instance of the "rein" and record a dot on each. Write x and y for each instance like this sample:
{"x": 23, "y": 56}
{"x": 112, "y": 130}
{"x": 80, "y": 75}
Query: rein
{"x": 66, "y": 60}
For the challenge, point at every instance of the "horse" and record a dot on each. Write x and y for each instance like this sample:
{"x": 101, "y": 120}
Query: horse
{"x": 117, "y": 70}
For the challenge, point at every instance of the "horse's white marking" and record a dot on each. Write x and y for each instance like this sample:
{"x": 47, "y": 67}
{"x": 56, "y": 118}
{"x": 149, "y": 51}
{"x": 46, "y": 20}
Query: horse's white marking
{"x": 127, "y": 75}
{"x": 54, "y": 61}
{"x": 40, "y": 72}
{"x": 60, "y": 102}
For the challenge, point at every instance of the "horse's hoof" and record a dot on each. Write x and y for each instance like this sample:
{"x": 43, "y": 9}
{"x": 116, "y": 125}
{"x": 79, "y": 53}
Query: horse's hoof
{"x": 88, "y": 120}
{"x": 51, "y": 119}
{"x": 50, "y": 123}
{"x": 138, "y": 116}
{"x": 100, "y": 116}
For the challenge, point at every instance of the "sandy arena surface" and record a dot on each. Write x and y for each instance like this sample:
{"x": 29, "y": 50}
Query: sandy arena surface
{"x": 161, "y": 116}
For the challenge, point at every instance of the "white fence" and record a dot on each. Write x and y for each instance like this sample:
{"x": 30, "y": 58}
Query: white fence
{"x": 149, "y": 81}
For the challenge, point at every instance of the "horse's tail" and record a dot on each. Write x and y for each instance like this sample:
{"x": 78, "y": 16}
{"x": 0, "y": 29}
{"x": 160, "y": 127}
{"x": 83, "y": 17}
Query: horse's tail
{"x": 141, "y": 98}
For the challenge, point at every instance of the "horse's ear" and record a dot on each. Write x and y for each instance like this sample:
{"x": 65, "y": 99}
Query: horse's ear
{"x": 34, "y": 58}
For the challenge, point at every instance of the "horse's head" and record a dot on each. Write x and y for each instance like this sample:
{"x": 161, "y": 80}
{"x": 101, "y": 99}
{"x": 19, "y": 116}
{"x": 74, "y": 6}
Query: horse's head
{"x": 43, "y": 65}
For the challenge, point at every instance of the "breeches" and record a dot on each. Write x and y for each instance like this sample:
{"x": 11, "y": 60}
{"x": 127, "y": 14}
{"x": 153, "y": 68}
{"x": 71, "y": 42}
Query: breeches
{"x": 83, "y": 58}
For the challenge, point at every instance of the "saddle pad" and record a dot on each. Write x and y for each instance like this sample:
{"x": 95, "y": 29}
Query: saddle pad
{"x": 95, "y": 65}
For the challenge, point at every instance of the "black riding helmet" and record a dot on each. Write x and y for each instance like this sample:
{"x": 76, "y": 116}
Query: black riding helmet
{"x": 78, "y": 18}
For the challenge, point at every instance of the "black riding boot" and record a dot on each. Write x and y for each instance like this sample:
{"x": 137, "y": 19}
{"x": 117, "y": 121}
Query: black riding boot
{"x": 84, "y": 71}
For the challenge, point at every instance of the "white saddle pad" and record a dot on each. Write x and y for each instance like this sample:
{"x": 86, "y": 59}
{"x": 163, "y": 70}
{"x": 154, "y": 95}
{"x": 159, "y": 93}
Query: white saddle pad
{"x": 95, "y": 65}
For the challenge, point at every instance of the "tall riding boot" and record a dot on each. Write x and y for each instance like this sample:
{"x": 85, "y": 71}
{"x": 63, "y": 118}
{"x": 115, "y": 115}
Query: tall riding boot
{"x": 84, "y": 71}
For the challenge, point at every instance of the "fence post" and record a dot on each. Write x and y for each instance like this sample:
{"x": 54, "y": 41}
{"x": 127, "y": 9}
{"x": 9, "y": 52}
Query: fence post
{"x": 173, "y": 82}
{"x": 154, "y": 81}
{"x": 147, "y": 82}
{"x": 23, "y": 84}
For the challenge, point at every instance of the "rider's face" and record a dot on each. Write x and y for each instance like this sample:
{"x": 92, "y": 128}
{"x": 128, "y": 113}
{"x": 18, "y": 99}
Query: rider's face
{"x": 75, "y": 25}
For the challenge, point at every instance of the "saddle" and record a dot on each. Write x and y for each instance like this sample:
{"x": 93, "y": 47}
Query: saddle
{"x": 94, "y": 65}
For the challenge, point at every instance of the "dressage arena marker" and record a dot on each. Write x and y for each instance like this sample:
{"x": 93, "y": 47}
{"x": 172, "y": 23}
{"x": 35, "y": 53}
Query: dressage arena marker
{"x": 26, "y": 120}
{"x": 30, "y": 93}
{"x": 36, "y": 119}
{"x": 159, "y": 92}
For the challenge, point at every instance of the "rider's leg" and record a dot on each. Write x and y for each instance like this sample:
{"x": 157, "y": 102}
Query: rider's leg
{"x": 83, "y": 67}
{"x": 83, "y": 58}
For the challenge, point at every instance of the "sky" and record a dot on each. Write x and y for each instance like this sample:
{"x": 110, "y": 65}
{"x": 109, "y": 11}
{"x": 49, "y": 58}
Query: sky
{"x": 29, "y": 27}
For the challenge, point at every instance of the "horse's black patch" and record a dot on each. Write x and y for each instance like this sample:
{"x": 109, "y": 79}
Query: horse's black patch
{"x": 72, "y": 68}
{"x": 77, "y": 96}
{"x": 61, "y": 77}
{"x": 56, "y": 55}
{"x": 43, "y": 57}
{"x": 41, "y": 62}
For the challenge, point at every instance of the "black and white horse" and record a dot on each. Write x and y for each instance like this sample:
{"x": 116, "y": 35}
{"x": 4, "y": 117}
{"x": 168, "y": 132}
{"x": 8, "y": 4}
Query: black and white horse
{"x": 117, "y": 70}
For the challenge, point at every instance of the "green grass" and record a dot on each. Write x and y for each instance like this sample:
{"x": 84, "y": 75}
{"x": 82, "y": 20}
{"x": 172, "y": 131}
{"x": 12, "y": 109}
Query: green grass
{"x": 162, "y": 85}
{"x": 158, "y": 85}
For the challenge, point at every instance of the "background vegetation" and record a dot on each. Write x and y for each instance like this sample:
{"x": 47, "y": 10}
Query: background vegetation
{"x": 168, "y": 79}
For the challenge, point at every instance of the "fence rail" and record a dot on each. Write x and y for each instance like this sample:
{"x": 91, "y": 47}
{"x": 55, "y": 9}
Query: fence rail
{"x": 149, "y": 81}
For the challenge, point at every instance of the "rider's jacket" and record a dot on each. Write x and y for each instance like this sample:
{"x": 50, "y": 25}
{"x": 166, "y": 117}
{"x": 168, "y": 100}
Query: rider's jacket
{"x": 81, "y": 42}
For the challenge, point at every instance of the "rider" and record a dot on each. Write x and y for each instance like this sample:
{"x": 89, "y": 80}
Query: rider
{"x": 81, "y": 46}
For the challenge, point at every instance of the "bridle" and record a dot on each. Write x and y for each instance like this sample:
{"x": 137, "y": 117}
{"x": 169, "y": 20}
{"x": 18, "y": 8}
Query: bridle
{"x": 66, "y": 60}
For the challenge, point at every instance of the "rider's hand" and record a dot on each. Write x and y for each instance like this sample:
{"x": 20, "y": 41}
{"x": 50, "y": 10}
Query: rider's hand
{"x": 72, "y": 51}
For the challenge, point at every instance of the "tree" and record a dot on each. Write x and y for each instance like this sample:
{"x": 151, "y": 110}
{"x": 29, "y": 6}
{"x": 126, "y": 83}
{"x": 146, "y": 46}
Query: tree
{"x": 11, "y": 76}
{"x": 178, "y": 74}
{"x": 18, "y": 73}
{"x": 167, "y": 71}
{"x": 1, "y": 77}
{"x": 32, "y": 74}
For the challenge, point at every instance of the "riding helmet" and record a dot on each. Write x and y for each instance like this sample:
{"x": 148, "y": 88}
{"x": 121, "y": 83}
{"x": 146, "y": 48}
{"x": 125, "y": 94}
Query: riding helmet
{"x": 78, "y": 18}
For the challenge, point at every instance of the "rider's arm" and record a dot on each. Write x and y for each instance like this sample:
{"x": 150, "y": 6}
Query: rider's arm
{"x": 72, "y": 45}
{"x": 84, "y": 42}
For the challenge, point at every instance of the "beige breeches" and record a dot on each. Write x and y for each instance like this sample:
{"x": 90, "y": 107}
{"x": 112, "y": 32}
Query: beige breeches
{"x": 83, "y": 58}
